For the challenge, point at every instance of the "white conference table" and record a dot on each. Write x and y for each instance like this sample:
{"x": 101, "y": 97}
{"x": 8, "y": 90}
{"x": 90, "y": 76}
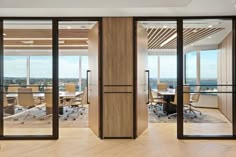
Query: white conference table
{"x": 166, "y": 92}
{"x": 41, "y": 94}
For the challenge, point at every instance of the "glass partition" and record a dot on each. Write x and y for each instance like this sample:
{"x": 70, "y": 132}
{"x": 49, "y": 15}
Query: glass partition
{"x": 27, "y": 61}
{"x": 207, "y": 92}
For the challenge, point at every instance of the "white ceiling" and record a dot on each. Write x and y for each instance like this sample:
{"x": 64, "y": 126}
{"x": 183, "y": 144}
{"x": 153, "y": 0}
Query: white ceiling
{"x": 93, "y": 3}
{"x": 117, "y": 8}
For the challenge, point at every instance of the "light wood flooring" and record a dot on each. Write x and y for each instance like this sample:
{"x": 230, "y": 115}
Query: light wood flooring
{"x": 158, "y": 140}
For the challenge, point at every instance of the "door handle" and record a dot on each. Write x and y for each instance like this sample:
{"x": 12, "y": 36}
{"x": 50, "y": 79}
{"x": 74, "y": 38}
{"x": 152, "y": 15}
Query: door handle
{"x": 147, "y": 71}
{"x": 87, "y": 75}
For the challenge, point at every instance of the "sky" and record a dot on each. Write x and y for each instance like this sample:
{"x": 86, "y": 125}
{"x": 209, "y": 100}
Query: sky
{"x": 41, "y": 66}
{"x": 168, "y": 65}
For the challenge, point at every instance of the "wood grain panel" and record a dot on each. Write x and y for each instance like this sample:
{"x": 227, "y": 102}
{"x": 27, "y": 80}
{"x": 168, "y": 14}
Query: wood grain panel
{"x": 225, "y": 73}
{"x": 142, "y": 89}
{"x": 118, "y": 115}
{"x": 117, "y": 70}
{"x": 45, "y": 33}
{"x": 45, "y": 42}
{"x": 118, "y": 89}
{"x": 117, "y": 51}
{"x": 93, "y": 88}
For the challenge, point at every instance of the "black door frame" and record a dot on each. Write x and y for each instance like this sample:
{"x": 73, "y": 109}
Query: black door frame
{"x": 55, "y": 55}
{"x": 180, "y": 73}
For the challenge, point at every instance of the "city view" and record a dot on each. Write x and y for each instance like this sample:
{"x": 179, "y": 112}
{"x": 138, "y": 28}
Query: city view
{"x": 44, "y": 82}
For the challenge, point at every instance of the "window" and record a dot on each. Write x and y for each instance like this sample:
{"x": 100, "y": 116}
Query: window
{"x": 84, "y": 68}
{"x": 153, "y": 69}
{"x": 191, "y": 69}
{"x": 208, "y": 61}
{"x": 40, "y": 71}
{"x": 168, "y": 70}
{"x": 15, "y": 70}
{"x": 68, "y": 71}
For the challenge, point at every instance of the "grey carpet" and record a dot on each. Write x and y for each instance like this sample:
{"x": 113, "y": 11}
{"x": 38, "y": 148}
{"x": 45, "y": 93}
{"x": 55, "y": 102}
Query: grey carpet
{"x": 31, "y": 122}
{"x": 82, "y": 120}
{"x": 204, "y": 118}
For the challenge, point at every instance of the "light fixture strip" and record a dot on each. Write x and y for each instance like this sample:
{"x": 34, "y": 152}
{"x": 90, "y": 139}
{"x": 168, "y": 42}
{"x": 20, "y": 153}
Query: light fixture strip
{"x": 168, "y": 40}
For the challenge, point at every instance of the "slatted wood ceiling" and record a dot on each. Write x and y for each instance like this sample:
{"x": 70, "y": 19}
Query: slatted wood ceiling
{"x": 77, "y": 38}
{"x": 156, "y": 36}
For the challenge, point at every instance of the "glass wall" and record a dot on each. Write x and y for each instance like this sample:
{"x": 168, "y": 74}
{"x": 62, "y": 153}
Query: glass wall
{"x": 168, "y": 70}
{"x": 208, "y": 69}
{"x": 208, "y": 82}
{"x": 191, "y": 69}
{"x": 27, "y": 105}
{"x": 153, "y": 69}
{"x": 15, "y": 71}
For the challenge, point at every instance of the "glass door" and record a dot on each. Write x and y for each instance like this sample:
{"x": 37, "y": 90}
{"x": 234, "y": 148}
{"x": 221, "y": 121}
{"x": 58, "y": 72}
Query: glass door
{"x": 27, "y": 72}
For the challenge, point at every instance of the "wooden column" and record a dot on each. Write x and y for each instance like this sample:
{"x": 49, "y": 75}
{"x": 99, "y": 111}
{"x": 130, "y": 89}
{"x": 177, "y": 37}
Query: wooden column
{"x": 117, "y": 77}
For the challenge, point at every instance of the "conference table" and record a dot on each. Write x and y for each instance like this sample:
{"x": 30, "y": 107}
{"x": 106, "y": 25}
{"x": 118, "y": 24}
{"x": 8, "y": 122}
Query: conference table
{"x": 168, "y": 96}
{"x": 62, "y": 94}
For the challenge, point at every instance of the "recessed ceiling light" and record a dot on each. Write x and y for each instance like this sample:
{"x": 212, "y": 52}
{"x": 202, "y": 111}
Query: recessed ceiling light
{"x": 27, "y": 41}
{"x": 210, "y": 26}
{"x": 209, "y": 37}
{"x": 168, "y": 40}
{"x": 164, "y": 26}
{"x": 68, "y": 27}
{"x": 61, "y": 42}
{"x": 4, "y": 34}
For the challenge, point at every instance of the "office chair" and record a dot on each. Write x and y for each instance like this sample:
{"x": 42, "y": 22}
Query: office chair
{"x": 186, "y": 99}
{"x": 194, "y": 99}
{"x": 48, "y": 101}
{"x": 12, "y": 88}
{"x": 70, "y": 87}
{"x": 8, "y": 108}
{"x": 26, "y": 101}
{"x": 77, "y": 104}
{"x": 162, "y": 86}
{"x": 154, "y": 103}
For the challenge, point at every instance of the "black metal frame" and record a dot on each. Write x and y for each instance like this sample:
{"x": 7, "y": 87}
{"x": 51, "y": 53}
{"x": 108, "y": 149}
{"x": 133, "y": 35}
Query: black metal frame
{"x": 180, "y": 72}
{"x": 55, "y": 55}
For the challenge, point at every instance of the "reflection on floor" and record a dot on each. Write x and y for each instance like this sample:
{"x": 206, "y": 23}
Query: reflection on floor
{"x": 158, "y": 140}
{"x": 43, "y": 126}
{"x": 211, "y": 122}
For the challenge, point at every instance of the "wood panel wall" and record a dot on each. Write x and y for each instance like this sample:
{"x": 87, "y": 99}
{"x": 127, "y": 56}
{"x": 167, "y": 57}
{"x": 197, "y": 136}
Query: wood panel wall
{"x": 225, "y": 76}
{"x": 142, "y": 86}
{"x": 93, "y": 85}
{"x": 117, "y": 77}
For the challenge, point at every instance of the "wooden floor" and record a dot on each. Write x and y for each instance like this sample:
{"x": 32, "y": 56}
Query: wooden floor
{"x": 209, "y": 128}
{"x": 158, "y": 140}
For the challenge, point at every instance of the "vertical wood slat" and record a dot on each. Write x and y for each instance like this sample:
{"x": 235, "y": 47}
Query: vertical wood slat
{"x": 93, "y": 84}
{"x": 225, "y": 71}
{"x": 117, "y": 71}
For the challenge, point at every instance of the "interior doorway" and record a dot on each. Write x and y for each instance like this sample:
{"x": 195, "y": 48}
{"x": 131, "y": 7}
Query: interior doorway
{"x": 206, "y": 81}
{"x": 78, "y": 75}
{"x": 49, "y": 73}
